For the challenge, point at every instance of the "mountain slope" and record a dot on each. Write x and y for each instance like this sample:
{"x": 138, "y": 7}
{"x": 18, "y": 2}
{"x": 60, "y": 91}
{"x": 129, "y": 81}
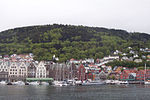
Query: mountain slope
{"x": 68, "y": 41}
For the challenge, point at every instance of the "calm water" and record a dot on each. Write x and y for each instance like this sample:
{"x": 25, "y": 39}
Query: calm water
{"x": 103, "y": 92}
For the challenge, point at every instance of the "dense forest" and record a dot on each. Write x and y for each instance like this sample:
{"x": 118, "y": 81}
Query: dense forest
{"x": 68, "y": 41}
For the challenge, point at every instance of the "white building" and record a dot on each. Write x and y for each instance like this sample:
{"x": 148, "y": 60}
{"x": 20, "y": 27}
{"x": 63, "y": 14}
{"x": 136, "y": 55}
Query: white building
{"x": 13, "y": 70}
{"x": 4, "y": 66}
{"x": 41, "y": 70}
{"x": 17, "y": 71}
{"x": 22, "y": 70}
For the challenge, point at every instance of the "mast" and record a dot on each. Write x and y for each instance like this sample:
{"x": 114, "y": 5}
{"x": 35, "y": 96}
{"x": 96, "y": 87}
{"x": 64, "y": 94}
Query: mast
{"x": 63, "y": 71}
{"x": 145, "y": 72}
{"x": 71, "y": 71}
{"x": 56, "y": 71}
{"x": 60, "y": 69}
{"x": 68, "y": 71}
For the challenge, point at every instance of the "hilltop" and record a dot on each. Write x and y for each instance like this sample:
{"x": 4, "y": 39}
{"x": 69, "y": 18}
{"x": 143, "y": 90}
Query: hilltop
{"x": 68, "y": 41}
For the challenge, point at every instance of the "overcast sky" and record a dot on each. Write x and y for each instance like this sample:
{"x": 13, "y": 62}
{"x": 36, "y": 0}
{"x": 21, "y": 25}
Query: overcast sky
{"x": 130, "y": 15}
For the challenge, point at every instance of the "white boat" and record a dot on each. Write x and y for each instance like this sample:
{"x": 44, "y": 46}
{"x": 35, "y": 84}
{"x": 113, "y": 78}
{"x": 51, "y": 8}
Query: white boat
{"x": 71, "y": 82}
{"x": 147, "y": 82}
{"x": 116, "y": 82}
{"x": 108, "y": 81}
{"x": 112, "y": 82}
{"x": 120, "y": 82}
{"x": 44, "y": 83}
{"x": 98, "y": 82}
{"x": 60, "y": 83}
{"x": 3, "y": 83}
{"x": 124, "y": 82}
{"x": 18, "y": 83}
{"x": 78, "y": 82}
{"x": 34, "y": 83}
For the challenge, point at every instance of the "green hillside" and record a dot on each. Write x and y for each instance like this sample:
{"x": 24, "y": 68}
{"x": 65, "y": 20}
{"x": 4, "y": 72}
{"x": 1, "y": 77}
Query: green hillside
{"x": 68, "y": 41}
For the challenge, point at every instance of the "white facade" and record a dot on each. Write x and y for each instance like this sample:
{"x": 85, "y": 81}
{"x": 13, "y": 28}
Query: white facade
{"x": 22, "y": 70}
{"x": 17, "y": 69}
{"x": 13, "y": 70}
{"x": 41, "y": 70}
{"x": 3, "y": 67}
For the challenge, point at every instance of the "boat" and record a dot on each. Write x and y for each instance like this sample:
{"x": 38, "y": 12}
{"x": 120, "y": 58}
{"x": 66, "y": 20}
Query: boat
{"x": 79, "y": 82}
{"x": 60, "y": 83}
{"x": 34, "y": 83}
{"x": 9, "y": 83}
{"x": 124, "y": 82}
{"x": 147, "y": 82}
{"x": 71, "y": 82}
{"x": 44, "y": 83}
{"x": 120, "y": 82}
{"x": 97, "y": 82}
{"x": 26, "y": 83}
{"x": 18, "y": 83}
{"x": 3, "y": 83}
{"x": 116, "y": 82}
{"x": 108, "y": 81}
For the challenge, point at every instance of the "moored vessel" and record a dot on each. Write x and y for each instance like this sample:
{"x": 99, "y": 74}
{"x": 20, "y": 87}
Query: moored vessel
{"x": 18, "y": 83}
{"x": 34, "y": 83}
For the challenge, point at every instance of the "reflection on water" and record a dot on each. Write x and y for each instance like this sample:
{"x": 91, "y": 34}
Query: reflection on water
{"x": 101, "y": 92}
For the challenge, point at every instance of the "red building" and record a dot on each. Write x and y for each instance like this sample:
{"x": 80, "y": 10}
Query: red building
{"x": 147, "y": 74}
{"x": 81, "y": 73}
{"x": 128, "y": 75}
{"x": 140, "y": 75}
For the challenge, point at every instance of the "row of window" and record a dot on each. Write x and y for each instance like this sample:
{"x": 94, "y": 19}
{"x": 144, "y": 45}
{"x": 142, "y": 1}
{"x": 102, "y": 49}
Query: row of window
{"x": 40, "y": 73}
{"x": 41, "y": 67}
{"x": 16, "y": 73}
{"x": 3, "y": 70}
{"x": 3, "y": 67}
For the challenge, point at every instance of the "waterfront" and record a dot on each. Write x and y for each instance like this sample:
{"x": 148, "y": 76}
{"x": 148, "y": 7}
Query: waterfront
{"x": 101, "y": 92}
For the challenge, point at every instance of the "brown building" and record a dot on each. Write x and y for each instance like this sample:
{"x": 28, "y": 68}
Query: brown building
{"x": 81, "y": 73}
{"x": 31, "y": 70}
{"x": 3, "y": 76}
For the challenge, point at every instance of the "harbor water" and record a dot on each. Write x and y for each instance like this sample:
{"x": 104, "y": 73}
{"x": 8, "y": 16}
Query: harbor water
{"x": 100, "y": 92}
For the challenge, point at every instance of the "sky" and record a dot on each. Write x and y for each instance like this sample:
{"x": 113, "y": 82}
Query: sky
{"x": 130, "y": 15}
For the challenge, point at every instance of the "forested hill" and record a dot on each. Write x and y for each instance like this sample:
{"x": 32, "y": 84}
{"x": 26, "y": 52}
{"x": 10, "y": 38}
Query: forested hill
{"x": 68, "y": 41}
